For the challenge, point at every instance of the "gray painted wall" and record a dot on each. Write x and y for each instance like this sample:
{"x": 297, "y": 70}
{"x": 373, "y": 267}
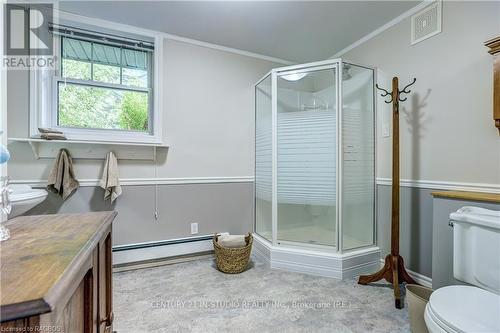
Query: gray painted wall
{"x": 415, "y": 226}
{"x": 229, "y": 207}
{"x": 221, "y": 207}
{"x": 426, "y": 240}
{"x": 442, "y": 237}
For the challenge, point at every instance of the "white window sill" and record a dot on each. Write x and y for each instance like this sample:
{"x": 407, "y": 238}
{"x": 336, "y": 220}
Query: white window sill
{"x": 83, "y": 149}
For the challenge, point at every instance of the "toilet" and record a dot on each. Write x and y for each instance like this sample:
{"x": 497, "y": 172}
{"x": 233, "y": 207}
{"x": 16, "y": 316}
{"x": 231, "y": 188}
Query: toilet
{"x": 476, "y": 261}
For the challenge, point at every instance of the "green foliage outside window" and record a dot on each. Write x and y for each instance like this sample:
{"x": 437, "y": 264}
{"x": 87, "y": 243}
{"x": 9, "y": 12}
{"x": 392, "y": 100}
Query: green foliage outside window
{"x": 86, "y": 106}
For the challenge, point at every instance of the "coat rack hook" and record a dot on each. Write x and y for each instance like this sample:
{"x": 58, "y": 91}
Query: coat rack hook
{"x": 385, "y": 93}
{"x": 405, "y": 89}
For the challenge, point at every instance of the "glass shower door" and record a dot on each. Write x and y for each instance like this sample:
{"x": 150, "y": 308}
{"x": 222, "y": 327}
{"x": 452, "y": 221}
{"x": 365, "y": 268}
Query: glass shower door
{"x": 263, "y": 158}
{"x": 307, "y": 156}
{"x": 358, "y": 172}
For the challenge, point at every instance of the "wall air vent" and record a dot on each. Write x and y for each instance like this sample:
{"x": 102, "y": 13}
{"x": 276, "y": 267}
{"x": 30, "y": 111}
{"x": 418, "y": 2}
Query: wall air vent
{"x": 427, "y": 22}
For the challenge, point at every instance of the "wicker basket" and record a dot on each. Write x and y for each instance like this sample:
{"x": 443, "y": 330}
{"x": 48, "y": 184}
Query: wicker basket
{"x": 232, "y": 260}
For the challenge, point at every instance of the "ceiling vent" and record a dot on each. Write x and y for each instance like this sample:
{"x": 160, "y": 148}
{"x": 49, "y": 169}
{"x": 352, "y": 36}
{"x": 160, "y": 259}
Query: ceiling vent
{"x": 426, "y": 23}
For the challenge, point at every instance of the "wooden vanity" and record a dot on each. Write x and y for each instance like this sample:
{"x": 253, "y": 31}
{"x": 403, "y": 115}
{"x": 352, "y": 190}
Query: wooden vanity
{"x": 56, "y": 274}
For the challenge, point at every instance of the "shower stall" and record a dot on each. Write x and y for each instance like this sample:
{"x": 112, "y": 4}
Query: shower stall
{"x": 315, "y": 168}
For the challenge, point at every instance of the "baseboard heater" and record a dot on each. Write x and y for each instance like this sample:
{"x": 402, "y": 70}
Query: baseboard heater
{"x": 147, "y": 251}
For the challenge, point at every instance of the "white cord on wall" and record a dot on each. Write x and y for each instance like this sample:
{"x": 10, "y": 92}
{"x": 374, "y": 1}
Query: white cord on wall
{"x": 156, "y": 184}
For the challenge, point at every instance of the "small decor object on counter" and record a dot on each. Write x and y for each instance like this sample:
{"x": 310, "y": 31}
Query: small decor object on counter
{"x": 232, "y": 260}
{"x": 62, "y": 178}
{"x": 110, "y": 180}
{"x": 51, "y": 134}
{"x": 4, "y": 154}
{"x": 5, "y": 207}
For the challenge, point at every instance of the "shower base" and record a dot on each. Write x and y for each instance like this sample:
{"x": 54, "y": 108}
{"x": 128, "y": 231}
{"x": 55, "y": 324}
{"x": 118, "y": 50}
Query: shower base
{"x": 323, "y": 262}
{"x": 320, "y": 234}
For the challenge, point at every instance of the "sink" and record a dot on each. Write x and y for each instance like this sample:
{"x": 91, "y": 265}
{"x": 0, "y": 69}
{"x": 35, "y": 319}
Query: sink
{"x": 24, "y": 197}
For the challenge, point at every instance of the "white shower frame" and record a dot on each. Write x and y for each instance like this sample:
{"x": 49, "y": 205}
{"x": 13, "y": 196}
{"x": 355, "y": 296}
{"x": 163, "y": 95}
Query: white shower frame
{"x": 369, "y": 255}
{"x": 334, "y": 64}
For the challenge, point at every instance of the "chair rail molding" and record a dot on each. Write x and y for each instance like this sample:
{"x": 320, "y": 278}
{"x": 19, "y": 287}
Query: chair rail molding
{"x": 147, "y": 181}
{"x": 428, "y": 184}
{"x": 444, "y": 185}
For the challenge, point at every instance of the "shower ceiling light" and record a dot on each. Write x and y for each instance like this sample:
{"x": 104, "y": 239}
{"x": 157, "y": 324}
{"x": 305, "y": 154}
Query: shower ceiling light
{"x": 294, "y": 77}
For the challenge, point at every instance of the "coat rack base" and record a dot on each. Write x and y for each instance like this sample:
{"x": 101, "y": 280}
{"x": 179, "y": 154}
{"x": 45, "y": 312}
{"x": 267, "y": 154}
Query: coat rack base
{"x": 393, "y": 272}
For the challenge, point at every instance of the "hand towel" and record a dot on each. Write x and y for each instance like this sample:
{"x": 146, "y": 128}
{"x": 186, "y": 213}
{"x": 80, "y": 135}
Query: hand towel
{"x": 51, "y": 134}
{"x": 231, "y": 241}
{"x": 110, "y": 180}
{"x": 62, "y": 178}
{"x": 48, "y": 130}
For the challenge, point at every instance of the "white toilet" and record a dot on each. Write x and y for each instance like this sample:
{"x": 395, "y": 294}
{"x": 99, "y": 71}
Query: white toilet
{"x": 476, "y": 260}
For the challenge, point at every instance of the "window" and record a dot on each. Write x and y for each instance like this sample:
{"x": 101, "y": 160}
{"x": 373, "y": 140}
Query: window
{"x": 103, "y": 88}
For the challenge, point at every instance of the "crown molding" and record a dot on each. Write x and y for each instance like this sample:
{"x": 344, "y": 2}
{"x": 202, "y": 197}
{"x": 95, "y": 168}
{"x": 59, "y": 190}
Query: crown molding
{"x": 137, "y": 30}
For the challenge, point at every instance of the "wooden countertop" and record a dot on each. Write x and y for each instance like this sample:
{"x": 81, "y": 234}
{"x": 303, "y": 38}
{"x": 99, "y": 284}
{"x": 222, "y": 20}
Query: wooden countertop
{"x": 40, "y": 256}
{"x": 473, "y": 196}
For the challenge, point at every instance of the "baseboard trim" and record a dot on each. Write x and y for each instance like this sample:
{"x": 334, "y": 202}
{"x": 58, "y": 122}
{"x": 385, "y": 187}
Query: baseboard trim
{"x": 123, "y": 255}
{"x": 162, "y": 261}
{"x": 147, "y": 181}
{"x": 443, "y": 185}
{"x": 419, "y": 278}
{"x": 333, "y": 265}
{"x": 136, "y": 246}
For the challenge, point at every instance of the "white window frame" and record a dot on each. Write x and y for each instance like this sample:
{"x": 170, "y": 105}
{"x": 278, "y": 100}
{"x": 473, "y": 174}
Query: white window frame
{"x": 43, "y": 90}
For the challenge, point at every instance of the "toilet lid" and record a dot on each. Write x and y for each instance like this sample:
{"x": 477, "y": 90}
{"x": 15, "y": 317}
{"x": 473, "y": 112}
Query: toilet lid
{"x": 466, "y": 308}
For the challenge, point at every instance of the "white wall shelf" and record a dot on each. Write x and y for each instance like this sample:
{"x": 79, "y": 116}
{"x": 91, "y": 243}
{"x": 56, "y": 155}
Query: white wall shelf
{"x": 80, "y": 149}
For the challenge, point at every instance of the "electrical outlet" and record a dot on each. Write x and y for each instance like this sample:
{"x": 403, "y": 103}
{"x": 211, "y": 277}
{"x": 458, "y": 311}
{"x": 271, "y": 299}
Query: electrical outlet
{"x": 194, "y": 228}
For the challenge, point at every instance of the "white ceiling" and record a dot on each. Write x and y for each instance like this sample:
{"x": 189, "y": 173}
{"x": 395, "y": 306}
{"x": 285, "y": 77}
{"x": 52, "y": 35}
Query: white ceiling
{"x": 290, "y": 30}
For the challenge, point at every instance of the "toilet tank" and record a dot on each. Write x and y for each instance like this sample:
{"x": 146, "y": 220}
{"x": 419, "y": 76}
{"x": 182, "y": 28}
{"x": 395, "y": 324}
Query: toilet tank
{"x": 476, "y": 247}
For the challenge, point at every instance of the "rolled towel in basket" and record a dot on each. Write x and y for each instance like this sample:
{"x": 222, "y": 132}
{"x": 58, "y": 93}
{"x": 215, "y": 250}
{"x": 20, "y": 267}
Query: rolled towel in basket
{"x": 231, "y": 241}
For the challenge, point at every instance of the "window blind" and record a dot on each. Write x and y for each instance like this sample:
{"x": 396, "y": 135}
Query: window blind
{"x": 103, "y": 48}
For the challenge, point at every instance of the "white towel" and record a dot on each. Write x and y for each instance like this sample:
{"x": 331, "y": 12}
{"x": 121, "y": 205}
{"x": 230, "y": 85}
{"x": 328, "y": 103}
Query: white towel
{"x": 110, "y": 180}
{"x": 231, "y": 241}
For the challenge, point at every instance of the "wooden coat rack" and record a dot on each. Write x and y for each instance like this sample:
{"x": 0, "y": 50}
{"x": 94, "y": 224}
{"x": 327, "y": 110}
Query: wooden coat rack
{"x": 394, "y": 269}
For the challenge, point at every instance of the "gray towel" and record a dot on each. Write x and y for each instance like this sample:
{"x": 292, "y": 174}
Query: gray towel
{"x": 62, "y": 178}
{"x": 110, "y": 180}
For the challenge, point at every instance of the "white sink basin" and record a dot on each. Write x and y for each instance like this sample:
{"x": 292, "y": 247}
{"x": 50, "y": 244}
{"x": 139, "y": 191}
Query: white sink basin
{"x": 23, "y": 198}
